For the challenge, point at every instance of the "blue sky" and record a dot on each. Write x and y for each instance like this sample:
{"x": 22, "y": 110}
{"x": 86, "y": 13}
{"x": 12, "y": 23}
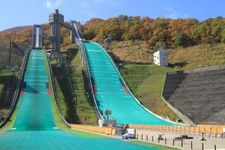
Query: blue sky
{"x": 28, "y": 12}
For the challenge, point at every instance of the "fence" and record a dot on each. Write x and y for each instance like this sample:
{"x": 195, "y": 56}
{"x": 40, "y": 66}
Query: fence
{"x": 177, "y": 143}
{"x": 199, "y": 137}
{"x": 208, "y": 130}
{"x": 103, "y": 130}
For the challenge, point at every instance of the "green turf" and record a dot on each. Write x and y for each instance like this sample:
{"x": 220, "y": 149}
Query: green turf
{"x": 35, "y": 112}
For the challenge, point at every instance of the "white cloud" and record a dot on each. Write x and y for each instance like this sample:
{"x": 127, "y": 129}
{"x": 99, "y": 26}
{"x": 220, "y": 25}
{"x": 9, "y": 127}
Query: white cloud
{"x": 174, "y": 13}
{"x": 53, "y": 4}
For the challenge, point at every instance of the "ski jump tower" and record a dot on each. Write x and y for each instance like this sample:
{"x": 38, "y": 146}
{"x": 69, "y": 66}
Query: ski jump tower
{"x": 56, "y": 20}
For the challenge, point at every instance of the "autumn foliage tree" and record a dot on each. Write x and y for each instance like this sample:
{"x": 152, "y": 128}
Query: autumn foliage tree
{"x": 180, "y": 39}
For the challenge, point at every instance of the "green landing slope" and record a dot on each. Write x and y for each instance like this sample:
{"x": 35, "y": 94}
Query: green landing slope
{"x": 35, "y": 108}
{"x": 112, "y": 93}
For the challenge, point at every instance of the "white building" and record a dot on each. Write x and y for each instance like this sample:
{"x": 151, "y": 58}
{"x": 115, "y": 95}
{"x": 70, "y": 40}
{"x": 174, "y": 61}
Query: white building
{"x": 161, "y": 58}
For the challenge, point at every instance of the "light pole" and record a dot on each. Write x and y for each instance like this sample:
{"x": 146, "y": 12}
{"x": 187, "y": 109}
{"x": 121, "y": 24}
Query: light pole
{"x": 107, "y": 113}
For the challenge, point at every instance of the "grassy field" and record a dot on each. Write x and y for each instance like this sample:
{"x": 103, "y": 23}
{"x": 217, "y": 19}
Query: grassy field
{"x": 73, "y": 103}
{"x": 84, "y": 106}
{"x": 64, "y": 95}
{"x": 146, "y": 83}
{"x": 132, "y": 51}
{"x": 180, "y": 58}
{"x": 197, "y": 56}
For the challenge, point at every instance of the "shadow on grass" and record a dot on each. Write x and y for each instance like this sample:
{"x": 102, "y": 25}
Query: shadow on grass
{"x": 67, "y": 97}
{"x": 178, "y": 64}
{"x": 70, "y": 54}
{"x": 74, "y": 102}
{"x": 90, "y": 99}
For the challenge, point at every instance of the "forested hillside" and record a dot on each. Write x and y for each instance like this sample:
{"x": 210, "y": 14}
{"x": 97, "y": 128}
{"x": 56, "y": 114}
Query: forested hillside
{"x": 174, "y": 32}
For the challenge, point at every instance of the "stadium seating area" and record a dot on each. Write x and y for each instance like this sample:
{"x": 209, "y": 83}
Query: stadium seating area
{"x": 198, "y": 94}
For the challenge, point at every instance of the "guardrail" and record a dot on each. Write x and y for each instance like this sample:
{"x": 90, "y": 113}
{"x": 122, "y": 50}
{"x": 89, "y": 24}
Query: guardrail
{"x": 17, "y": 91}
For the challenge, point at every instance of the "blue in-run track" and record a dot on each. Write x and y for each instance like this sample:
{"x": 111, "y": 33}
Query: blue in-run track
{"x": 112, "y": 93}
{"x": 34, "y": 127}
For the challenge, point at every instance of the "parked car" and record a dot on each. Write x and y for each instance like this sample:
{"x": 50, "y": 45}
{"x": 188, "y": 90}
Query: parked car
{"x": 128, "y": 136}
